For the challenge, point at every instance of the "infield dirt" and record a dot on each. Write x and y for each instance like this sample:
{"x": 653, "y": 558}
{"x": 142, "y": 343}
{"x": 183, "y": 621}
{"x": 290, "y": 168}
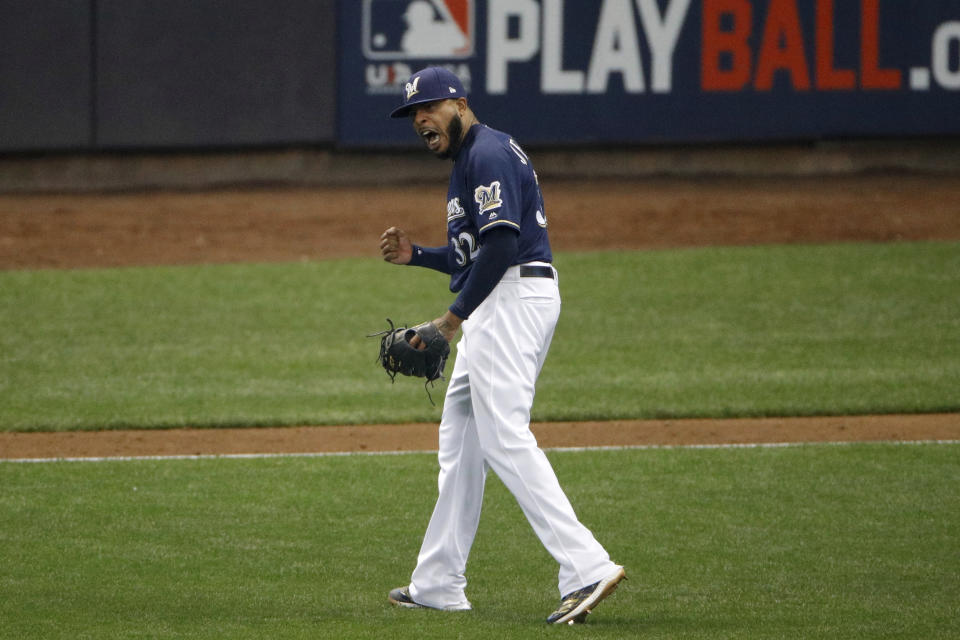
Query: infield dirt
{"x": 157, "y": 228}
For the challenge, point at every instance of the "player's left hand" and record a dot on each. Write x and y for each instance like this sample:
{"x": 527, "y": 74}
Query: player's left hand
{"x": 448, "y": 324}
{"x": 420, "y": 351}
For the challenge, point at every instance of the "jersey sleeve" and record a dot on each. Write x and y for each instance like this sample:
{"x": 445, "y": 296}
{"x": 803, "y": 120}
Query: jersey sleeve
{"x": 495, "y": 184}
{"x": 498, "y": 253}
{"x": 436, "y": 258}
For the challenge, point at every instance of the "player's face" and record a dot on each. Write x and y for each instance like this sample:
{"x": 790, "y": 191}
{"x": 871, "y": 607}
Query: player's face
{"x": 439, "y": 125}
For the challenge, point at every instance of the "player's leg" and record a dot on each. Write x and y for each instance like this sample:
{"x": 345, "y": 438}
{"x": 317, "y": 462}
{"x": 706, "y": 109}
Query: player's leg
{"x": 438, "y": 580}
{"x": 507, "y": 340}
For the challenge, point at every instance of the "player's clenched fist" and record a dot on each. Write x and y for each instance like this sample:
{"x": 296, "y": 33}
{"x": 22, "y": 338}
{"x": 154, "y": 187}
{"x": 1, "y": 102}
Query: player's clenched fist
{"x": 395, "y": 246}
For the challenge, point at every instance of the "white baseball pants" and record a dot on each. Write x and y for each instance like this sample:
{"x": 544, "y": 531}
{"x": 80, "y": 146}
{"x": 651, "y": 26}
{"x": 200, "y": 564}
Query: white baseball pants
{"x": 486, "y": 425}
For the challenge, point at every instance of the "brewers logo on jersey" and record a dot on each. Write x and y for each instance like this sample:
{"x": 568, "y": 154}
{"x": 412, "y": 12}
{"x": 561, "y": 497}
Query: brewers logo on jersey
{"x": 418, "y": 29}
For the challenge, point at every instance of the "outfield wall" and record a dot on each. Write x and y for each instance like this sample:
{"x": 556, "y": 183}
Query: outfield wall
{"x": 107, "y": 94}
{"x": 94, "y": 75}
{"x": 661, "y": 71}
{"x": 121, "y": 75}
{"x": 317, "y": 168}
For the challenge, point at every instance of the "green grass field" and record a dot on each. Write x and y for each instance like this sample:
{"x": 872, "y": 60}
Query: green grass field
{"x": 721, "y": 332}
{"x": 812, "y": 541}
{"x": 815, "y": 541}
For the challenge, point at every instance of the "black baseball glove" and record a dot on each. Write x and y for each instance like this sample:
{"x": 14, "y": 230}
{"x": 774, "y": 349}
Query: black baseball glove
{"x": 397, "y": 355}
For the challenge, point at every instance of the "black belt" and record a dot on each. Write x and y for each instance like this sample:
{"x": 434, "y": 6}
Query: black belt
{"x": 529, "y": 271}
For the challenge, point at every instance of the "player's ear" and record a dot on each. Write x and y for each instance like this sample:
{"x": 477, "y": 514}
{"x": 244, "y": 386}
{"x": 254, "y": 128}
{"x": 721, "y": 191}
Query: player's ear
{"x": 462, "y": 106}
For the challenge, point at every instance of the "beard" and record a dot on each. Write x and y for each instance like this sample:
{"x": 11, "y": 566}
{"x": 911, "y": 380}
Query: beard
{"x": 455, "y": 136}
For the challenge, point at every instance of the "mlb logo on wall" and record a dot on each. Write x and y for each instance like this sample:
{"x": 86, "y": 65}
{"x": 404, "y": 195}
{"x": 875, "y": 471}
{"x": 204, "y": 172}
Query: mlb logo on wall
{"x": 418, "y": 29}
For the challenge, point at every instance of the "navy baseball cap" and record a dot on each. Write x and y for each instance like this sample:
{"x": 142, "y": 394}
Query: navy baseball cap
{"x": 428, "y": 85}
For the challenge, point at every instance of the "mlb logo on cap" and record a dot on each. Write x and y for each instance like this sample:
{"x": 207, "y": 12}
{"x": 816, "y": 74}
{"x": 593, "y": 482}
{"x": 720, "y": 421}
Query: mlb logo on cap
{"x": 412, "y": 29}
{"x": 428, "y": 85}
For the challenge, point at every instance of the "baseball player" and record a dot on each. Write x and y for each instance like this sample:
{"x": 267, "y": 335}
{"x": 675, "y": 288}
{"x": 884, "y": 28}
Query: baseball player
{"x": 507, "y": 304}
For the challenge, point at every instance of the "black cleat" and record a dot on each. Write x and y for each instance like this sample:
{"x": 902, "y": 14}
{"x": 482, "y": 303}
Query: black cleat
{"x": 575, "y": 606}
{"x": 401, "y": 598}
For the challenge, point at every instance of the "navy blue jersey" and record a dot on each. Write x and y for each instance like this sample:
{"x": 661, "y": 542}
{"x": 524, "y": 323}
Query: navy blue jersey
{"x": 493, "y": 184}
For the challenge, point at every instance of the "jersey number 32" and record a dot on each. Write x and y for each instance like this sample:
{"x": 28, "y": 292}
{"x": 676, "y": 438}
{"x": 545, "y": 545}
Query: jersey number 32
{"x": 465, "y": 247}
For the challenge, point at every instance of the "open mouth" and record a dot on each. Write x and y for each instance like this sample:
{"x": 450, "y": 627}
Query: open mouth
{"x": 431, "y": 137}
